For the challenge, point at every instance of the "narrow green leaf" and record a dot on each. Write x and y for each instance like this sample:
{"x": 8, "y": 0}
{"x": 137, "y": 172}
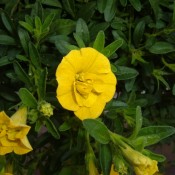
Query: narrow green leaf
{"x": 79, "y": 40}
{"x": 27, "y": 98}
{"x": 82, "y": 30}
{"x": 138, "y": 32}
{"x": 27, "y": 26}
{"x": 99, "y": 41}
{"x": 64, "y": 26}
{"x": 48, "y": 21}
{"x": 86, "y": 11}
{"x": 155, "y": 6}
{"x": 24, "y": 39}
{"x": 110, "y": 10}
{"x": 154, "y": 134}
{"x": 53, "y": 3}
{"x": 97, "y": 130}
{"x": 69, "y": 6}
{"x": 123, "y": 3}
{"x": 136, "y": 4}
{"x": 7, "y": 40}
{"x": 154, "y": 156}
{"x": 40, "y": 78}
{"x": 34, "y": 55}
{"x": 38, "y": 23}
{"x": 63, "y": 46}
{"x": 105, "y": 156}
{"x": 22, "y": 75}
{"x": 111, "y": 48}
{"x": 101, "y": 4}
{"x": 138, "y": 123}
{"x": 97, "y": 27}
{"x": 52, "y": 129}
{"x": 125, "y": 73}
{"x": 173, "y": 90}
{"x": 65, "y": 126}
{"x": 7, "y": 22}
{"x": 161, "y": 47}
{"x": 5, "y": 60}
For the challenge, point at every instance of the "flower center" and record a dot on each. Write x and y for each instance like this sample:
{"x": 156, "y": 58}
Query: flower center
{"x": 83, "y": 84}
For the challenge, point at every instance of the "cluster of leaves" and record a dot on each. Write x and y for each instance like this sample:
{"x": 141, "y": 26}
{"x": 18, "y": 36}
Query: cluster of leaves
{"x": 35, "y": 35}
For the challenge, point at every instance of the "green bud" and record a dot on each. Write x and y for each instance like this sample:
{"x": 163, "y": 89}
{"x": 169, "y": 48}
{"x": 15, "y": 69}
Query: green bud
{"x": 45, "y": 108}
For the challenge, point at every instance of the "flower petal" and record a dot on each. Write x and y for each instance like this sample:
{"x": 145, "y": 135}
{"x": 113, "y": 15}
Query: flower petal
{"x": 4, "y": 119}
{"x": 20, "y": 116}
{"x": 90, "y": 112}
{"x": 68, "y": 100}
{"x": 5, "y": 150}
{"x": 81, "y": 60}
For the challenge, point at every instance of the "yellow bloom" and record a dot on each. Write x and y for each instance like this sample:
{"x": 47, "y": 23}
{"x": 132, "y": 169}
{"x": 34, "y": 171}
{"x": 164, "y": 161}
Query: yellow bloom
{"x": 142, "y": 164}
{"x": 113, "y": 172}
{"x": 13, "y": 133}
{"x": 85, "y": 82}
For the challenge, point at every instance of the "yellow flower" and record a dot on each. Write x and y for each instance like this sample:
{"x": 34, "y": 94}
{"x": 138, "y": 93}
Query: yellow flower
{"x": 113, "y": 172}
{"x": 13, "y": 133}
{"x": 142, "y": 164}
{"x": 85, "y": 82}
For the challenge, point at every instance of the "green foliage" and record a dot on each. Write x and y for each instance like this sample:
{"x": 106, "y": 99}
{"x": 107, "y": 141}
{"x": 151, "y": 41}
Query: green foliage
{"x": 34, "y": 37}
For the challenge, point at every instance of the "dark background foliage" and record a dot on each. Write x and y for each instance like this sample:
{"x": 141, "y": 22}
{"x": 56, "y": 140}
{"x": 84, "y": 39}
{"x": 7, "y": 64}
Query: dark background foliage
{"x": 35, "y": 35}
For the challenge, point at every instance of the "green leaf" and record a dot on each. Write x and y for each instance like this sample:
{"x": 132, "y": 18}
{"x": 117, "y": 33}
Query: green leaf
{"x": 125, "y": 73}
{"x": 111, "y": 48}
{"x": 7, "y": 40}
{"x": 38, "y": 23}
{"x": 123, "y": 2}
{"x": 53, "y": 3}
{"x": 27, "y": 26}
{"x": 105, "y": 156}
{"x": 138, "y": 123}
{"x": 27, "y": 98}
{"x": 7, "y": 22}
{"x": 65, "y": 126}
{"x": 40, "y": 78}
{"x": 138, "y": 32}
{"x": 5, "y": 61}
{"x": 136, "y": 4}
{"x": 69, "y": 6}
{"x": 79, "y": 41}
{"x": 99, "y": 41}
{"x": 34, "y": 55}
{"x": 63, "y": 46}
{"x": 173, "y": 90}
{"x": 97, "y": 130}
{"x": 97, "y": 27}
{"x": 154, "y": 134}
{"x": 24, "y": 39}
{"x": 82, "y": 30}
{"x": 64, "y": 26}
{"x": 22, "y": 75}
{"x": 101, "y": 4}
{"x": 110, "y": 10}
{"x": 48, "y": 21}
{"x": 154, "y": 156}
{"x": 155, "y": 6}
{"x": 86, "y": 11}
{"x": 52, "y": 129}
{"x": 161, "y": 47}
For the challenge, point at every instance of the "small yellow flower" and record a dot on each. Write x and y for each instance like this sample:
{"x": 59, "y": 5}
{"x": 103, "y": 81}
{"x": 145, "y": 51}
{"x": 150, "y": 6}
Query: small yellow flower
{"x": 142, "y": 164}
{"x": 13, "y": 133}
{"x": 85, "y": 82}
{"x": 113, "y": 172}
